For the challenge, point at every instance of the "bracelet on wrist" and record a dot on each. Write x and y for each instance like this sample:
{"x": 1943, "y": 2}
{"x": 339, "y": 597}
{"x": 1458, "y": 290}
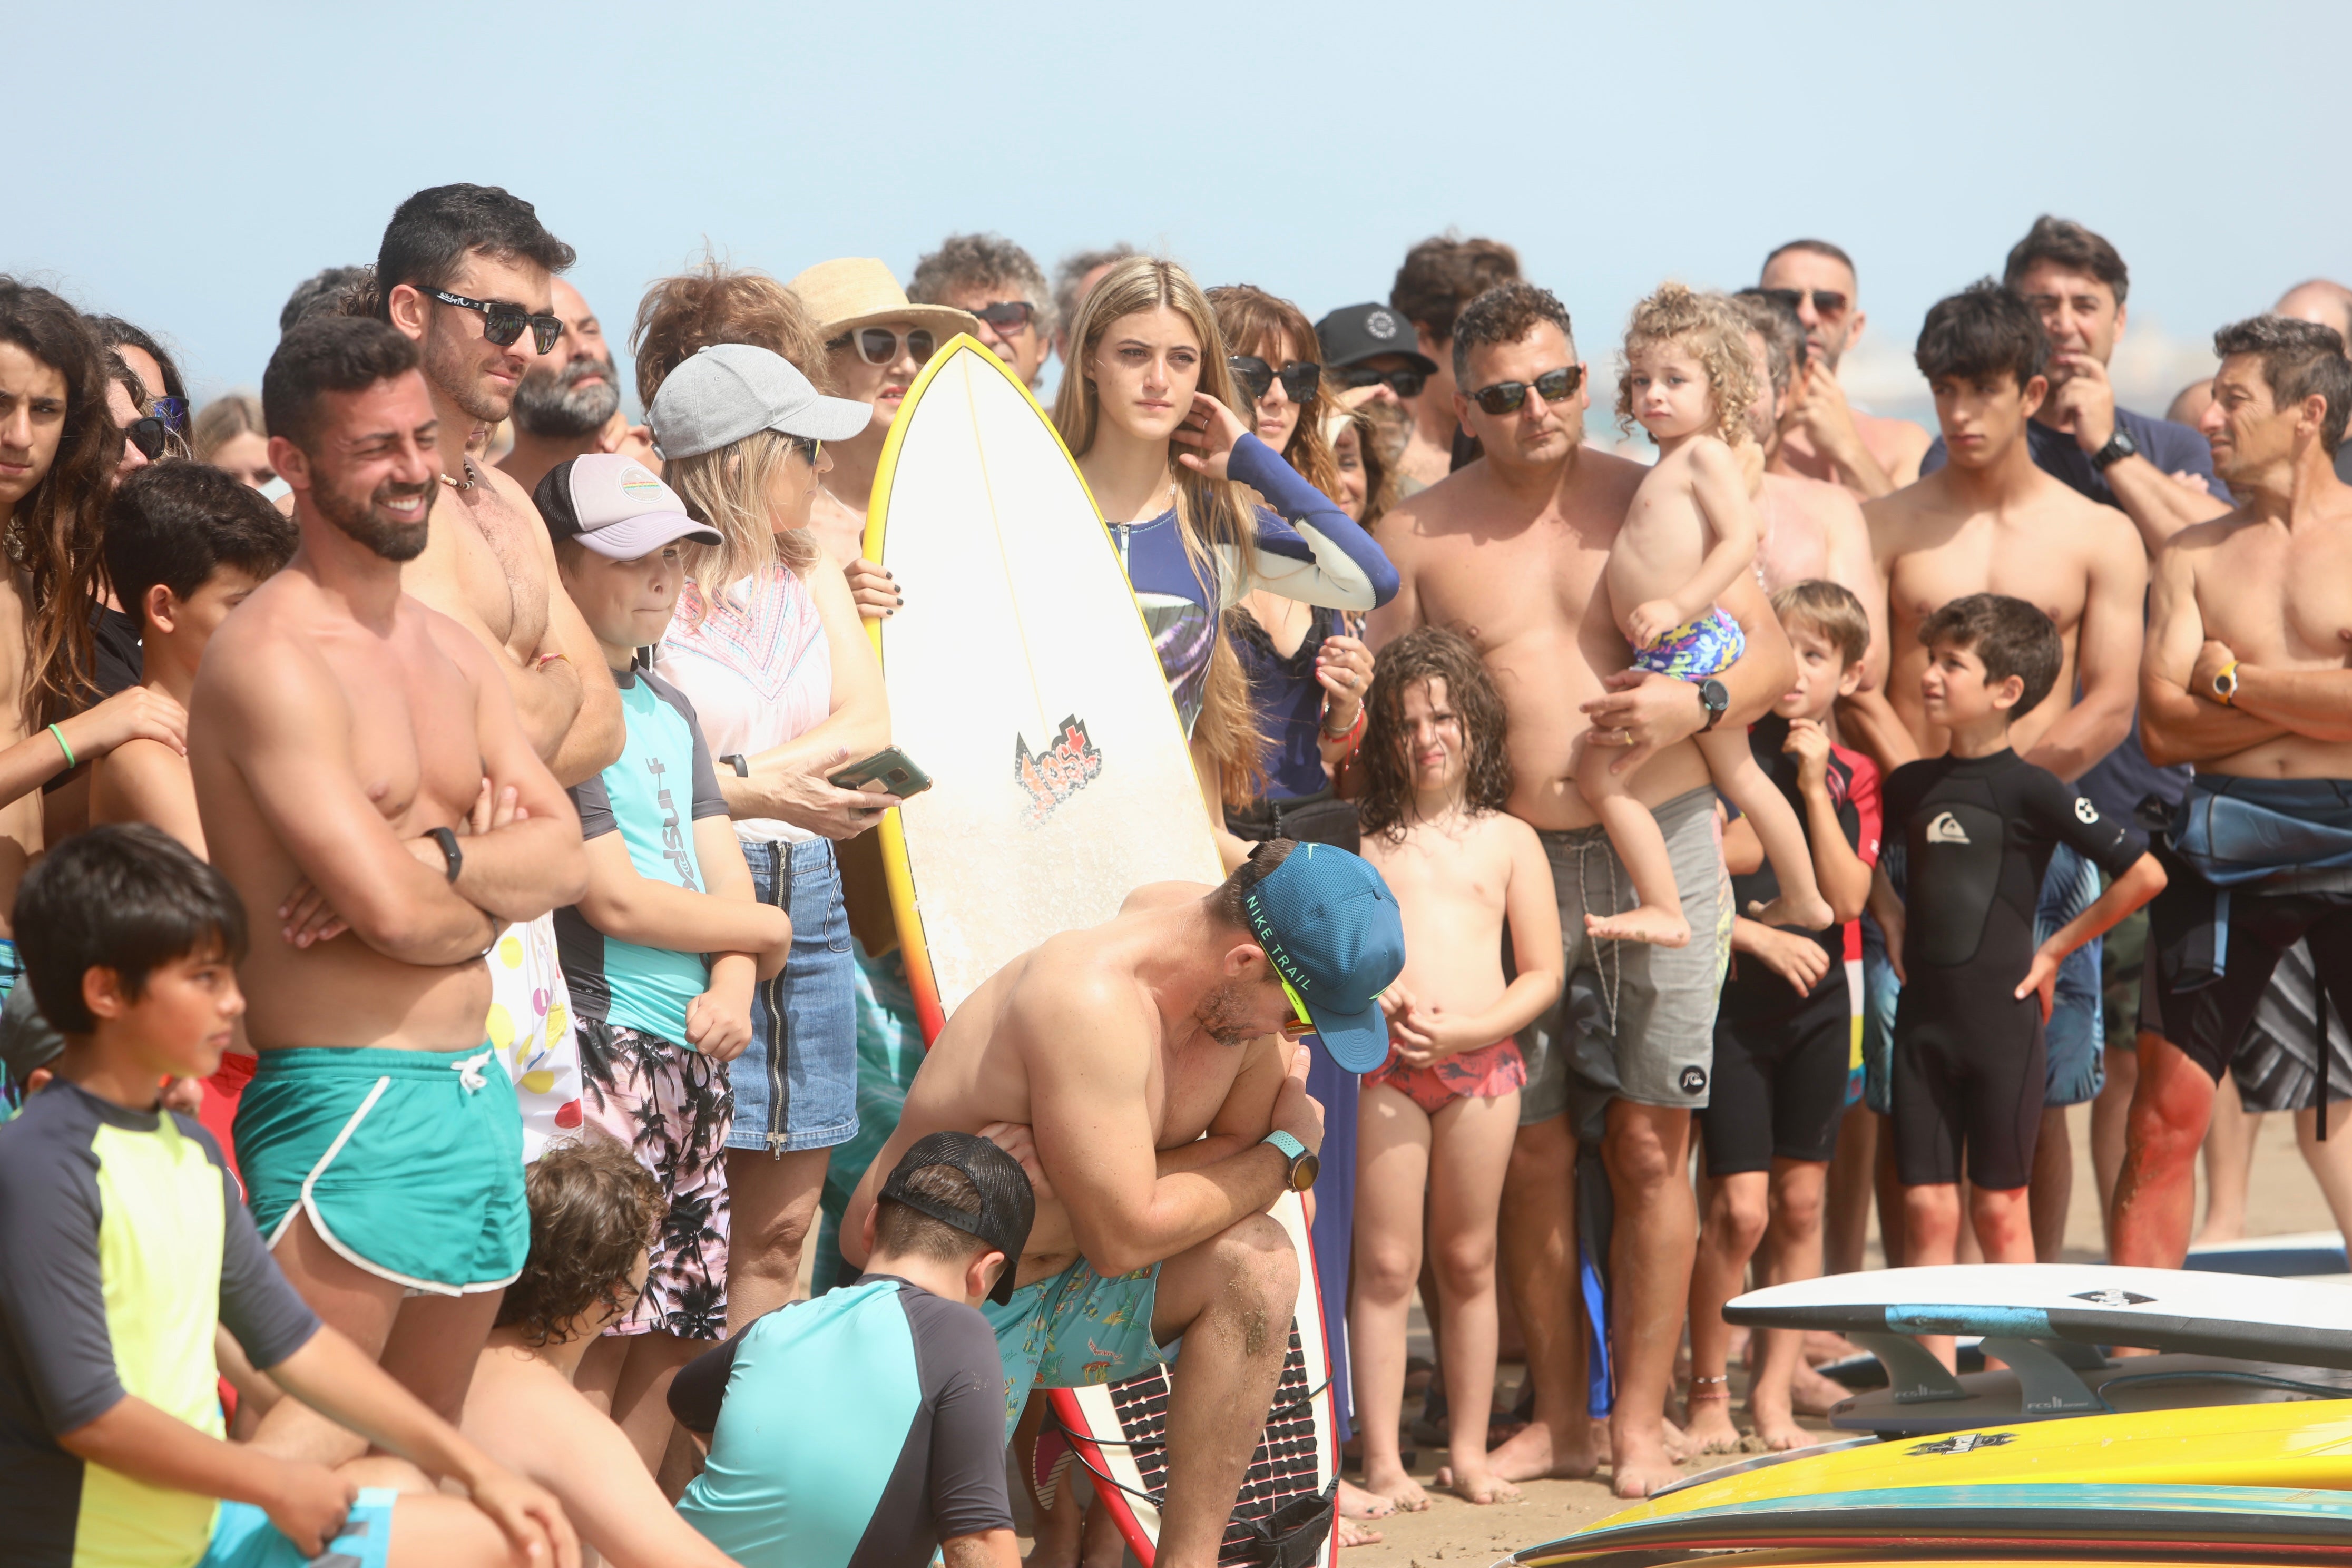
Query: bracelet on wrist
{"x": 60, "y": 736}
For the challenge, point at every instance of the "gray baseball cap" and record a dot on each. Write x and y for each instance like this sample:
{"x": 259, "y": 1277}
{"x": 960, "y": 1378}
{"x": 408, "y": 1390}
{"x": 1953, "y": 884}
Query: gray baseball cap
{"x": 727, "y": 391}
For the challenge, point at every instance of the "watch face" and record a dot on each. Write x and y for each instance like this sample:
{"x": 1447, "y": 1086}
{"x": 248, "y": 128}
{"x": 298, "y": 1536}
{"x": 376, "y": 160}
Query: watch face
{"x": 1715, "y": 695}
{"x": 1303, "y": 1172}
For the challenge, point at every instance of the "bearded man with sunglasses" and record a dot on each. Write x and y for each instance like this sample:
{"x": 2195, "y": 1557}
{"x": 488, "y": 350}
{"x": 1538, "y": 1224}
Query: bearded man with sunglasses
{"x": 569, "y": 403}
{"x": 1824, "y": 436}
{"x": 1511, "y": 551}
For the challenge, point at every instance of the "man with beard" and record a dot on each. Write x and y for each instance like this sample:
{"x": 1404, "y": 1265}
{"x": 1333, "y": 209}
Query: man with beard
{"x": 362, "y": 778}
{"x": 1826, "y": 439}
{"x": 569, "y": 403}
{"x": 1100, "y": 1059}
{"x": 466, "y": 272}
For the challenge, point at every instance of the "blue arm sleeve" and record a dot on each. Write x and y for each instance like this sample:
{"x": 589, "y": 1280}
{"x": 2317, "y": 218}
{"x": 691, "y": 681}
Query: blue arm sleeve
{"x": 1314, "y": 552}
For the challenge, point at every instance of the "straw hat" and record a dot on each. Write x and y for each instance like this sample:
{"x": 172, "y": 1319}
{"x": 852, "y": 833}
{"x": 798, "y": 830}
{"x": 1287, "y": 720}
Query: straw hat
{"x": 857, "y": 291}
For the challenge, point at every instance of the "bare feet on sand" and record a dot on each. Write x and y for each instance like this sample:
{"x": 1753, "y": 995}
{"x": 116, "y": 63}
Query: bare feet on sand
{"x": 1814, "y": 1393}
{"x": 1708, "y": 1426}
{"x": 1644, "y": 923}
{"x": 1398, "y": 1488}
{"x": 1531, "y": 1454}
{"x": 1482, "y": 1485}
{"x": 1776, "y": 1431}
{"x": 1812, "y": 914}
{"x": 1355, "y": 1502}
{"x": 1642, "y": 1465}
{"x": 1353, "y": 1534}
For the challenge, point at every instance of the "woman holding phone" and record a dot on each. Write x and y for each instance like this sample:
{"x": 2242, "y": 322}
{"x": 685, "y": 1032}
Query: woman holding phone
{"x": 766, "y": 643}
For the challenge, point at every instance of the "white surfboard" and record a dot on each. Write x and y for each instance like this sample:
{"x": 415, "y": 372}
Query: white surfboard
{"x": 1023, "y": 681}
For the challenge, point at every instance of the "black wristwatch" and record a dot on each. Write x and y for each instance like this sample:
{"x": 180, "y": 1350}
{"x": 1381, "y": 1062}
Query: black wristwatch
{"x": 1715, "y": 697}
{"x": 735, "y": 760}
{"x": 449, "y": 850}
{"x": 2119, "y": 445}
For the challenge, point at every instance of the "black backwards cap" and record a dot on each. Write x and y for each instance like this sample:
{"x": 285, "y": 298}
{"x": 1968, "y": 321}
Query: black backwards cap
{"x": 1007, "y": 1205}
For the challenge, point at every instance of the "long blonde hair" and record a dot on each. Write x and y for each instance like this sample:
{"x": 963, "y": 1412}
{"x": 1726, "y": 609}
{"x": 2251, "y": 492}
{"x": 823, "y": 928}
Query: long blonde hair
{"x": 728, "y": 488}
{"x": 1210, "y": 513}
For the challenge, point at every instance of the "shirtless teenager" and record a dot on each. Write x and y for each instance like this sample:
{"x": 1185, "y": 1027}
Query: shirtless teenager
{"x": 1993, "y": 523}
{"x": 1510, "y": 551}
{"x": 1826, "y": 437}
{"x": 1440, "y": 275}
{"x": 360, "y": 775}
{"x": 2244, "y": 676}
{"x": 1100, "y": 1057}
{"x": 488, "y": 564}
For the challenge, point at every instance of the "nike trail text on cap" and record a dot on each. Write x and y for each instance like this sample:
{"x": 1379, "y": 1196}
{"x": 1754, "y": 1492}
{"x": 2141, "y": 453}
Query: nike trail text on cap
{"x": 1331, "y": 930}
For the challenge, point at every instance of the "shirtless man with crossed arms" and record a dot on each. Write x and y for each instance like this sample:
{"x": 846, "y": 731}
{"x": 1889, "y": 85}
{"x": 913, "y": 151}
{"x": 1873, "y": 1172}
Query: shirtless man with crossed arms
{"x": 362, "y": 778}
{"x": 1100, "y": 1058}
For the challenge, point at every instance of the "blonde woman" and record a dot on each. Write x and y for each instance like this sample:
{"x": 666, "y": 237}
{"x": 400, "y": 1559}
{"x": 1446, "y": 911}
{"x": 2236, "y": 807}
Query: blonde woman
{"x": 230, "y": 436}
{"x": 1202, "y": 510}
{"x": 766, "y": 644}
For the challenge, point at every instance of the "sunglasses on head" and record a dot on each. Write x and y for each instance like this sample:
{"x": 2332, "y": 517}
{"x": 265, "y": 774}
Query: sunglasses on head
{"x": 1403, "y": 383}
{"x": 1007, "y": 316}
{"x": 1826, "y": 302}
{"x": 1256, "y": 378}
{"x": 1552, "y": 386}
{"x": 879, "y": 345}
{"x": 501, "y": 323}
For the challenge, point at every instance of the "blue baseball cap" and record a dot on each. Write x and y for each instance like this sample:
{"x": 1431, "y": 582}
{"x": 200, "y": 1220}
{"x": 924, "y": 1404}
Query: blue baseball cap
{"x": 1331, "y": 928}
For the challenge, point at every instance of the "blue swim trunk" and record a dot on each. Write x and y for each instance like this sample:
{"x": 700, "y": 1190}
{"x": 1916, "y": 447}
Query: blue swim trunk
{"x": 1695, "y": 650}
{"x": 243, "y": 1537}
{"x": 1072, "y": 1330}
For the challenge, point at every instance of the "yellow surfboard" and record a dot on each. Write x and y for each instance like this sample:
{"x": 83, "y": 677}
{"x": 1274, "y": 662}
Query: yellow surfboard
{"x": 1023, "y": 680}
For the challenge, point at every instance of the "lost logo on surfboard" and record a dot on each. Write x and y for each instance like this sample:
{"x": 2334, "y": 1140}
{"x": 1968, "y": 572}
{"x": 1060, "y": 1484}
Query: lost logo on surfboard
{"x": 1052, "y": 775}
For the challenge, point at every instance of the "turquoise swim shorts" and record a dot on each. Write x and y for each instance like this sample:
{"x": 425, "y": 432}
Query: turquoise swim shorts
{"x": 1072, "y": 1329}
{"x": 243, "y": 1537}
{"x": 1695, "y": 650}
{"x": 408, "y": 1162}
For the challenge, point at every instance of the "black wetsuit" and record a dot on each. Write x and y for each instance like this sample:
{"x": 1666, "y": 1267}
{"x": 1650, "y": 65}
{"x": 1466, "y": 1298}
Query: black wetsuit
{"x": 1978, "y": 835}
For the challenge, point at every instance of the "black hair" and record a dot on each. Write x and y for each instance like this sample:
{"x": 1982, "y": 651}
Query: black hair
{"x": 178, "y": 522}
{"x": 2299, "y": 358}
{"x": 2009, "y": 637}
{"x": 321, "y": 294}
{"x": 1445, "y": 272}
{"x": 1230, "y": 902}
{"x": 2070, "y": 246}
{"x": 432, "y": 232}
{"x": 898, "y": 1228}
{"x": 1980, "y": 334}
{"x": 1505, "y": 314}
{"x": 114, "y": 332}
{"x": 328, "y": 353}
{"x": 1811, "y": 247}
{"x": 127, "y": 896}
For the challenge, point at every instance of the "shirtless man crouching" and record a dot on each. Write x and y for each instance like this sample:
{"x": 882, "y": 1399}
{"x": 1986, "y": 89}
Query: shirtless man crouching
{"x": 2245, "y": 676}
{"x": 468, "y": 272}
{"x": 1100, "y": 1058}
{"x": 1509, "y": 551}
{"x": 360, "y": 775}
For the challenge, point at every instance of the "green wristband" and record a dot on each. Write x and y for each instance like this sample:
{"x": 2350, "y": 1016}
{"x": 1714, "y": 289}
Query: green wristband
{"x": 61, "y": 734}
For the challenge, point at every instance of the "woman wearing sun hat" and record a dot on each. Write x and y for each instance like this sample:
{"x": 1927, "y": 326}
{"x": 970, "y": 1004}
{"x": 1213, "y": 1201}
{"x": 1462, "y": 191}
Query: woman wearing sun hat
{"x": 876, "y": 341}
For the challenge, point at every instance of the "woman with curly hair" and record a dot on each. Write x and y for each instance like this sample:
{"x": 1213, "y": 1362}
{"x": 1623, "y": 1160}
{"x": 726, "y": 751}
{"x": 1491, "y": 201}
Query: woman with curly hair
{"x": 1439, "y": 1116}
{"x": 593, "y": 1213}
{"x": 1686, "y": 377}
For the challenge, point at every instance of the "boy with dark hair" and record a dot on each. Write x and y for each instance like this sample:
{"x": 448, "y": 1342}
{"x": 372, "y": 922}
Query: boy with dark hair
{"x": 662, "y": 952}
{"x": 1979, "y": 826}
{"x": 1992, "y": 521}
{"x": 1439, "y": 278}
{"x": 904, "y": 1358}
{"x": 122, "y": 1244}
{"x": 185, "y": 544}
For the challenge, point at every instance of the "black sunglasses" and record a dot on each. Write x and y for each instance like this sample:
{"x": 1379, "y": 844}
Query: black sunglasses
{"x": 1256, "y": 378}
{"x": 1826, "y": 302}
{"x": 150, "y": 435}
{"x": 1552, "y": 386}
{"x": 879, "y": 345}
{"x": 1403, "y": 383}
{"x": 1007, "y": 316}
{"x": 173, "y": 412}
{"x": 503, "y": 324}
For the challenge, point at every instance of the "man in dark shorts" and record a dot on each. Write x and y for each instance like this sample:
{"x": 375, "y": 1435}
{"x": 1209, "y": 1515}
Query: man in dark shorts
{"x": 899, "y": 1447}
{"x": 2244, "y": 676}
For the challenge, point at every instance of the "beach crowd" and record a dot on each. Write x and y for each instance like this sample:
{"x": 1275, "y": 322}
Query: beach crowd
{"x": 465, "y": 1098}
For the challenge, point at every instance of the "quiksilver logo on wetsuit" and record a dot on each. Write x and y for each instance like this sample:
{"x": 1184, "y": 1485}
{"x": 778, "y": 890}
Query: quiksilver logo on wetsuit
{"x": 1947, "y": 829}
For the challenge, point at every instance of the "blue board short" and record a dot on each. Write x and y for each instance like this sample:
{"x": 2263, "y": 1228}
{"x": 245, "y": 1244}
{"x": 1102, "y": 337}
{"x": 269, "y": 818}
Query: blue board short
{"x": 1072, "y": 1330}
{"x": 243, "y": 1537}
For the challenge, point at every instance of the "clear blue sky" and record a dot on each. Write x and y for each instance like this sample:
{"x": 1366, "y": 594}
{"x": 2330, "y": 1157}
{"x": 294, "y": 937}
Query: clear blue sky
{"x": 185, "y": 167}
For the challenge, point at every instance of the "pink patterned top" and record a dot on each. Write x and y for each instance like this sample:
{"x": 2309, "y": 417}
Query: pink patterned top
{"x": 757, "y": 668}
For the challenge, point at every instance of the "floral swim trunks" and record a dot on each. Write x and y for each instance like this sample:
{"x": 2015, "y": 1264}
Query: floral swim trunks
{"x": 671, "y": 1104}
{"x": 1074, "y": 1330}
{"x": 1695, "y": 650}
{"x": 1490, "y": 1072}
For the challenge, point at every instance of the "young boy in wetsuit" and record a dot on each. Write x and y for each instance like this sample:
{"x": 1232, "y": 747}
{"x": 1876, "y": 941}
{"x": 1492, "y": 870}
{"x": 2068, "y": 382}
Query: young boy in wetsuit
{"x": 1977, "y": 826}
{"x": 1787, "y": 1031}
{"x": 867, "y": 1426}
{"x": 123, "y": 1243}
